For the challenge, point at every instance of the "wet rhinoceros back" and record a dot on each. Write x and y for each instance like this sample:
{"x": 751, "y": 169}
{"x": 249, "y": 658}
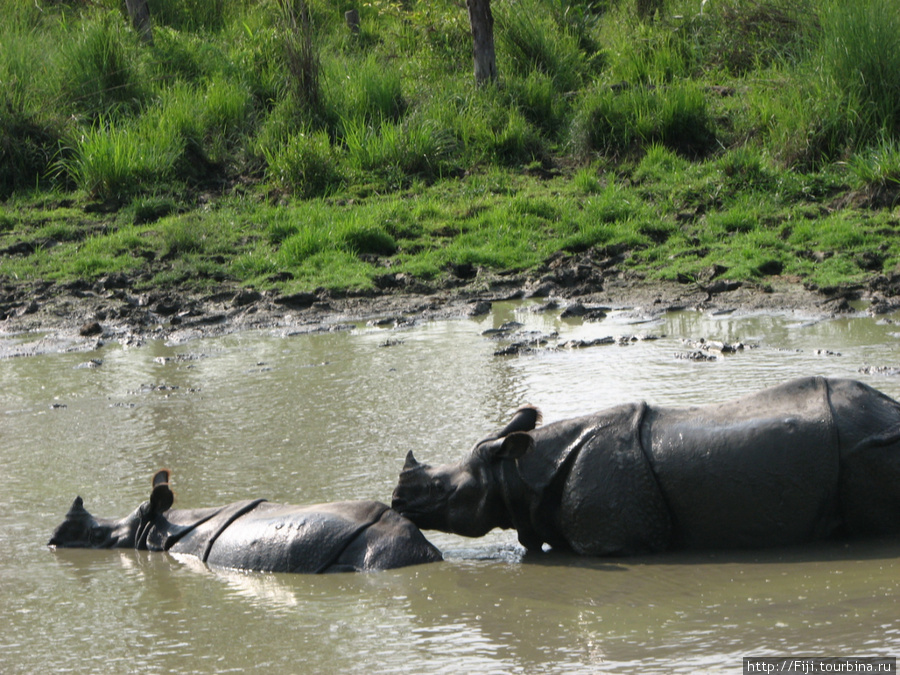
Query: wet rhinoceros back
{"x": 279, "y": 538}
{"x": 192, "y": 531}
{"x": 760, "y": 470}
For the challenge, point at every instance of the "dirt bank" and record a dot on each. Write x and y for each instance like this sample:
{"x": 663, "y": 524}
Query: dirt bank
{"x": 44, "y": 317}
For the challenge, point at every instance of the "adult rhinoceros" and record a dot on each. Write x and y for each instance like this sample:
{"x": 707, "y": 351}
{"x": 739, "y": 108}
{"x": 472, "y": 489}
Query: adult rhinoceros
{"x": 257, "y": 535}
{"x": 806, "y": 460}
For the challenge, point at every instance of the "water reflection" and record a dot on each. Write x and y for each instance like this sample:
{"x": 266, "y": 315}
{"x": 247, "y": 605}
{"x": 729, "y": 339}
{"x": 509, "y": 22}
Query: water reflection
{"x": 312, "y": 418}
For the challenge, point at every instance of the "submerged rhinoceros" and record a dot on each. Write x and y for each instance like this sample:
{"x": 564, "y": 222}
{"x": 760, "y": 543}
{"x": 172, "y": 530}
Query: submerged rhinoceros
{"x": 810, "y": 459}
{"x": 257, "y": 535}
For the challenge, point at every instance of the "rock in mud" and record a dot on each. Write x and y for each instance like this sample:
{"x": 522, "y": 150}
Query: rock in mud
{"x": 521, "y": 342}
{"x": 882, "y": 306}
{"x": 541, "y": 290}
{"x": 91, "y": 328}
{"x": 879, "y": 370}
{"x": 582, "y": 344}
{"x": 722, "y": 286}
{"x": 503, "y": 331}
{"x": 297, "y": 300}
{"x": 696, "y": 356}
{"x": 246, "y": 296}
{"x": 584, "y": 312}
{"x": 392, "y": 322}
{"x": 112, "y": 282}
{"x": 167, "y": 306}
{"x": 639, "y": 337}
{"x": 714, "y": 347}
{"x": 516, "y": 349}
{"x": 549, "y": 306}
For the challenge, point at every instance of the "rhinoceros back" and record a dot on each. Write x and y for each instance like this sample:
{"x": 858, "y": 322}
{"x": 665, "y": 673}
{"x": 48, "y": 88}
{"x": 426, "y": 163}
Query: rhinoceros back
{"x": 265, "y": 537}
{"x": 761, "y": 470}
{"x": 280, "y": 538}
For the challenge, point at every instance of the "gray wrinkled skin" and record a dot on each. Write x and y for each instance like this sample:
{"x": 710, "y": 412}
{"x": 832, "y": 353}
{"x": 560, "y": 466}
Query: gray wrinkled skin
{"x": 810, "y": 459}
{"x": 256, "y": 535}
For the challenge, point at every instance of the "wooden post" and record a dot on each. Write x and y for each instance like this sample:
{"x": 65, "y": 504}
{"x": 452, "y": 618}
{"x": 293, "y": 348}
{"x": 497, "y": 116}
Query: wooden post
{"x": 352, "y": 19}
{"x": 139, "y": 11}
{"x": 482, "y": 22}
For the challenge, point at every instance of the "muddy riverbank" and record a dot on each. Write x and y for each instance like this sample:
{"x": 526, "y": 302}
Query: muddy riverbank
{"x": 43, "y": 317}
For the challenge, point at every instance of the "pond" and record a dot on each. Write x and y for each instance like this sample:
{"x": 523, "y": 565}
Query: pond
{"x": 330, "y": 416}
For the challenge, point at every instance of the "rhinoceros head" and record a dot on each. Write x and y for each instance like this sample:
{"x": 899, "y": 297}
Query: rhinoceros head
{"x": 464, "y": 498}
{"x": 82, "y": 530}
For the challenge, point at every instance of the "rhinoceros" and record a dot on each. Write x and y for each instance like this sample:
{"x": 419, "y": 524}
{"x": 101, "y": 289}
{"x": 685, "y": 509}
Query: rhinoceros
{"x": 257, "y": 535}
{"x": 810, "y": 459}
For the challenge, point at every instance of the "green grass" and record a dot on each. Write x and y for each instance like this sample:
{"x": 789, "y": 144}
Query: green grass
{"x": 861, "y": 57}
{"x": 761, "y": 135}
{"x": 879, "y": 167}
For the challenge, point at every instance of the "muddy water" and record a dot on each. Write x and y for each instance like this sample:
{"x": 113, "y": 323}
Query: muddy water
{"x": 311, "y": 418}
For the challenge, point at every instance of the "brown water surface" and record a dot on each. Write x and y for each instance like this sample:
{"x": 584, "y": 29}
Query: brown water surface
{"x": 304, "y": 419}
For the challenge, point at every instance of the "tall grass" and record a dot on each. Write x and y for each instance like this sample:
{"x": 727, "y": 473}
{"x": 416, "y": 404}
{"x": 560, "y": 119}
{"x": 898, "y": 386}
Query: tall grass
{"x": 370, "y": 89}
{"x": 619, "y": 120}
{"x": 113, "y": 161}
{"x": 395, "y": 102}
{"x": 540, "y": 102}
{"x": 305, "y": 164}
{"x": 410, "y": 148}
{"x": 876, "y": 173}
{"x": 648, "y": 56}
{"x": 192, "y": 15}
{"x": 531, "y": 40}
{"x": 745, "y": 36}
{"x": 301, "y": 56}
{"x": 178, "y": 139}
{"x": 98, "y": 76}
{"x": 861, "y": 56}
{"x": 224, "y": 117}
{"x": 29, "y": 141}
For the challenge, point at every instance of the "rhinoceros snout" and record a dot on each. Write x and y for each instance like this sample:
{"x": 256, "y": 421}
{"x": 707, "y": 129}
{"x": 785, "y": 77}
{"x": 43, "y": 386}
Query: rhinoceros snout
{"x": 398, "y": 503}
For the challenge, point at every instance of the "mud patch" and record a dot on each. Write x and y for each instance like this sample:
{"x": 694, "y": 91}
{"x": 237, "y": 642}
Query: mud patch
{"x": 42, "y": 317}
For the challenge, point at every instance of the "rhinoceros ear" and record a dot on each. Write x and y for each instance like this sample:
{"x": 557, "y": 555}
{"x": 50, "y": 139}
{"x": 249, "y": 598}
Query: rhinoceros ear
{"x": 525, "y": 419}
{"x": 512, "y": 446}
{"x": 162, "y": 497}
{"x": 160, "y": 477}
{"x": 517, "y": 444}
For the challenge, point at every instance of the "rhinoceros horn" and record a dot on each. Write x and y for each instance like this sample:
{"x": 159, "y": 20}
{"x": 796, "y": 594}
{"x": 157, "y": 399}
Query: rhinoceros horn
{"x": 410, "y": 462}
{"x": 77, "y": 508}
